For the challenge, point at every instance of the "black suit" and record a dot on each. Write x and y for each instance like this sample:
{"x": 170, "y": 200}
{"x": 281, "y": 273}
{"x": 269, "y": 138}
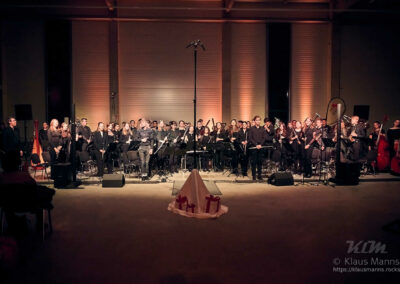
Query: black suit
{"x": 43, "y": 139}
{"x": 100, "y": 143}
{"x": 358, "y": 143}
{"x": 257, "y": 136}
{"x": 11, "y": 147}
{"x": 244, "y": 158}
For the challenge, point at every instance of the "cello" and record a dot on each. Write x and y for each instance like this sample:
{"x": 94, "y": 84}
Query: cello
{"x": 395, "y": 163}
{"x": 383, "y": 158}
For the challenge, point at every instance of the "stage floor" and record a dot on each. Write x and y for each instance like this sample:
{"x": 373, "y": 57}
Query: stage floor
{"x": 271, "y": 234}
{"x": 218, "y": 177}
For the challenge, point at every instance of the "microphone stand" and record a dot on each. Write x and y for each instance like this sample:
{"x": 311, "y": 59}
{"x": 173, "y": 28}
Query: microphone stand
{"x": 195, "y": 44}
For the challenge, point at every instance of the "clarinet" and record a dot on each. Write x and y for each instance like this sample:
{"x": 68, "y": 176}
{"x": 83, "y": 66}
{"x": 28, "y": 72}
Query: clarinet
{"x": 245, "y": 145}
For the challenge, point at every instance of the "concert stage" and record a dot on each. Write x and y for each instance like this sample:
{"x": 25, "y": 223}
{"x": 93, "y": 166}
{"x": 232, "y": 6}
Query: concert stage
{"x": 271, "y": 234}
{"x": 217, "y": 177}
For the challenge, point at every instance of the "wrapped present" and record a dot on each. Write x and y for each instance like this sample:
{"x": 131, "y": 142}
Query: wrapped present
{"x": 194, "y": 200}
{"x": 212, "y": 204}
{"x": 190, "y": 206}
{"x": 180, "y": 202}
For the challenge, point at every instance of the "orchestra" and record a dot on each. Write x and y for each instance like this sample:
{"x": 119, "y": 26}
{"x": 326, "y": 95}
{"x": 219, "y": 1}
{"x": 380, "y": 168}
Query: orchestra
{"x": 167, "y": 147}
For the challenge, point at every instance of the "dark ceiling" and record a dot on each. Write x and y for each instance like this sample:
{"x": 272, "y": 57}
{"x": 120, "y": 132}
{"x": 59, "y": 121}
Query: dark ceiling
{"x": 203, "y": 10}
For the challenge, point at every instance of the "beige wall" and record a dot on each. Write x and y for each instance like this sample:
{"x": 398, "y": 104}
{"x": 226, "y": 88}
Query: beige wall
{"x": 90, "y": 71}
{"x": 156, "y": 71}
{"x": 23, "y": 69}
{"x": 370, "y": 69}
{"x": 248, "y": 71}
{"x": 310, "y": 73}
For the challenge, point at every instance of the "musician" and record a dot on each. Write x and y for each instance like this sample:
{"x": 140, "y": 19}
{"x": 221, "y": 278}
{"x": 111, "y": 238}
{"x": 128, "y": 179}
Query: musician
{"x": 43, "y": 140}
{"x": 243, "y": 141}
{"x": 281, "y": 153}
{"x": 206, "y": 143}
{"x": 11, "y": 146}
{"x": 132, "y": 124}
{"x": 200, "y": 128}
{"x": 55, "y": 141}
{"x": 65, "y": 142}
{"x": 112, "y": 151}
{"x": 182, "y": 128}
{"x": 309, "y": 136}
{"x": 257, "y": 138}
{"x": 189, "y": 137}
{"x": 84, "y": 135}
{"x": 146, "y": 136}
{"x": 296, "y": 140}
{"x": 270, "y": 134}
{"x": 174, "y": 140}
{"x": 162, "y": 141}
{"x": 154, "y": 124}
{"x": 319, "y": 132}
{"x": 326, "y": 129}
{"x": 233, "y": 131}
{"x": 393, "y": 134}
{"x": 125, "y": 141}
{"x": 99, "y": 147}
{"x": 117, "y": 131}
{"x": 357, "y": 132}
{"x": 373, "y": 136}
{"x": 219, "y": 135}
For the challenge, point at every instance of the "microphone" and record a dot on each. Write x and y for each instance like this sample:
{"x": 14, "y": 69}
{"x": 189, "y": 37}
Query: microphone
{"x": 196, "y": 43}
{"x": 202, "y": 45}
{"x": 190, "y": 44}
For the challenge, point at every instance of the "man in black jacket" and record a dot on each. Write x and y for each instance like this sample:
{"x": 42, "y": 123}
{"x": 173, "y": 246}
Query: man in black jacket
{"x": 100, "y": 144}
{"x": 11, "y": 146}
{"x": 257, "y": 138}
{"x": 357, "y": 132}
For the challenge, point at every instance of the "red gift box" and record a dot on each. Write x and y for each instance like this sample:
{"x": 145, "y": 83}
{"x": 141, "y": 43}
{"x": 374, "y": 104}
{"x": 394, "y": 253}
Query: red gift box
{"x": 210, "y": 200}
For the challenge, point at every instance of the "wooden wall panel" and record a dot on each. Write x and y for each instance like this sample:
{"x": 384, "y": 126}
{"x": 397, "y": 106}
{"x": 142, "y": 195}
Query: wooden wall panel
{"x": 90, "y": 71}
{"x": 310, "y": 73}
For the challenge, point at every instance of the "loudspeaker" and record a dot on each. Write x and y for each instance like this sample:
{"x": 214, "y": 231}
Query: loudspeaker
{"x": 281, "y": 178}
{"x": 113, "y": 180}
{"x": 23, "y": 112}
{"x": 347, "y": 173}
{"x": 62, "y": 174}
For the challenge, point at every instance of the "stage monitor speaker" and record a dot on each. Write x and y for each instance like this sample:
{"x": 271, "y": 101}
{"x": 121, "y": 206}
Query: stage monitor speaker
{"x": 347, "y": 173}
{"x": 113, "y": 180}
{"x": 281, "y": 178}
{"x": 23, "y": 112}
{"x": 62, "y": 174}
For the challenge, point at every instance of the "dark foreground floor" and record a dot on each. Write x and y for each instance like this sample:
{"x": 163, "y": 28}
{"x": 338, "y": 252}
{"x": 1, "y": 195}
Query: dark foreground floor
{"x": 270, "y": 235}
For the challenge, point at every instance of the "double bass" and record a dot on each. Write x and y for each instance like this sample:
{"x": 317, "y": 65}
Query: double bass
{"x": 395, "y": 163}
{"x": 383, "y": 158}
